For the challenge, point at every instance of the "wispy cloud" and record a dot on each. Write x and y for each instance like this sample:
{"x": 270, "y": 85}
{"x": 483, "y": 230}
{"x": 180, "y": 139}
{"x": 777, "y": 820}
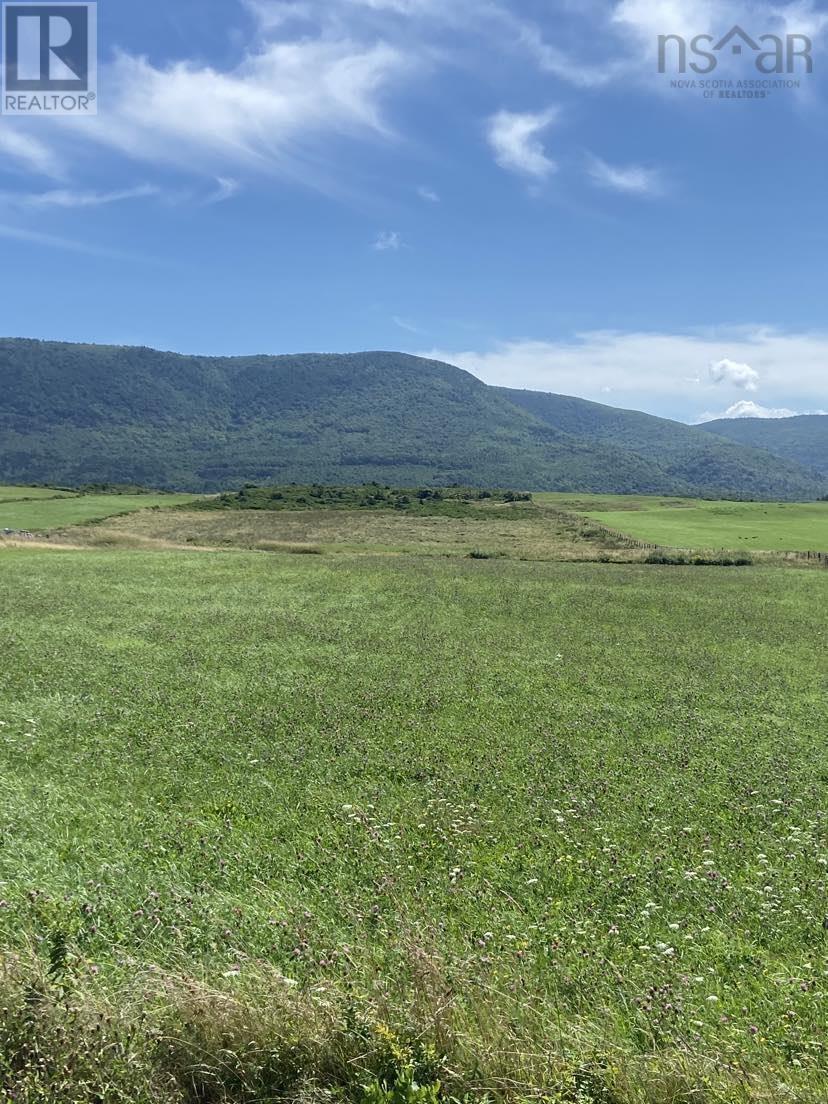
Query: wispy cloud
{"x": 274, "y": 113}
{"x": 53, "y": 241}
{"x": 284, "y": 110}
{"x": 527, "y": 37}
{"x": 515, "y": 140}
{"x": 68, "y": 199}
{"x": 630, "y": 179}
{"x": 29, "y": 152}
{"x": 428, "y": 194}
{"x": 388, "y": 240}
{"x": 226, "y": 188}
{"x": 409, "y": 327}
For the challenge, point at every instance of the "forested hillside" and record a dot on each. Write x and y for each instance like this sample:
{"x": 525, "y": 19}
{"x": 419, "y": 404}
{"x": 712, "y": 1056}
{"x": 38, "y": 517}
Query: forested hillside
{"x": 803, "y": 439}
{"x": 78, "y": 414}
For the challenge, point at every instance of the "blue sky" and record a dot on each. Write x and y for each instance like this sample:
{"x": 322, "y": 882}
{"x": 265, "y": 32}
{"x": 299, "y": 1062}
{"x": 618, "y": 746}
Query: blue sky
{"x": 510, "y": 186}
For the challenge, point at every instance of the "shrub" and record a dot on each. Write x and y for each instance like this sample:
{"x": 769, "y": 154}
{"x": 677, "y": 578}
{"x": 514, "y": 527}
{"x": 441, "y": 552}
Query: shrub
{"x": 676, "y": 559}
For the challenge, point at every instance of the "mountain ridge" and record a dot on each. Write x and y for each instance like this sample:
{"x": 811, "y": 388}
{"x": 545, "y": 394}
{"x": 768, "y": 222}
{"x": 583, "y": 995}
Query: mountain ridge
{"x": 81, "y": 413}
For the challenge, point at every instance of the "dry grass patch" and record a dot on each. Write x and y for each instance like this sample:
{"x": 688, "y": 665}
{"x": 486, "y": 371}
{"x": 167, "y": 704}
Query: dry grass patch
{"x": 546, "y": 535}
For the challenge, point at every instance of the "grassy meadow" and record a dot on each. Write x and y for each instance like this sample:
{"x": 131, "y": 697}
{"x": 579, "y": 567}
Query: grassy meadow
{"x": 695, "y": 523}
{"x": 53, "y": 510}
{"x": 17, "y": 494}
{"x": 394, "y": 829}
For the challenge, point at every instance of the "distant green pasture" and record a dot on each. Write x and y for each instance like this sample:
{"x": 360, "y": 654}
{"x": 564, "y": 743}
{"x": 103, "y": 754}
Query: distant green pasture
{"x": 692, "y": 523}
{"x": 16, "y": 494}
{"x": 57, "y": 512}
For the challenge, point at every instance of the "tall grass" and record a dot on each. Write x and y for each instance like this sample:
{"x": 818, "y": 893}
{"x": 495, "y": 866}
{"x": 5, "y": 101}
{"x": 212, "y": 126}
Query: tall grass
{"x": 390, "y": 830}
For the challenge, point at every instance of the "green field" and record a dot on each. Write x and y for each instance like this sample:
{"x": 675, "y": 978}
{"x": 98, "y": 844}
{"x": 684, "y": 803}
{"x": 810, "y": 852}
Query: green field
{"x": 55, "y": 513}
{"x": 297, "y": 827}
{"x": 16, "y": 494}
{"x": 691, "y": 523}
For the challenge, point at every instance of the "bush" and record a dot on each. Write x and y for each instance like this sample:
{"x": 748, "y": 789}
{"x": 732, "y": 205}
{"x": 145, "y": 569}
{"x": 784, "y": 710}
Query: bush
{"x": 679, "y": 559}
{"x": 737, "y": 560}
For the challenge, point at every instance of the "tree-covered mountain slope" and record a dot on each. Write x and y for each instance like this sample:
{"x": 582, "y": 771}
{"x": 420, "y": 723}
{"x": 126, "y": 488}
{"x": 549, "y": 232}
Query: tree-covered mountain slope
{"x": 84, "y": 413}
{"x": 685, "y": 453}
{"x": 803, "y": 439}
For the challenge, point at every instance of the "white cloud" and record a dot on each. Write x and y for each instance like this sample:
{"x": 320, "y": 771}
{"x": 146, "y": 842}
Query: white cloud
{"x": 409, "y": 327}
{"x": 428, "y": 194}
{"x": 737, "y": 375}
{"x": 276, "y": 112}
{"x": 514, "y": 138}
{"x": 663, "y": 373}
{"x": 748, "y": 409}
{"x": 388, "y": 240}
{"x": 631, "y": 179}
{"x": 68, "y": 199}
